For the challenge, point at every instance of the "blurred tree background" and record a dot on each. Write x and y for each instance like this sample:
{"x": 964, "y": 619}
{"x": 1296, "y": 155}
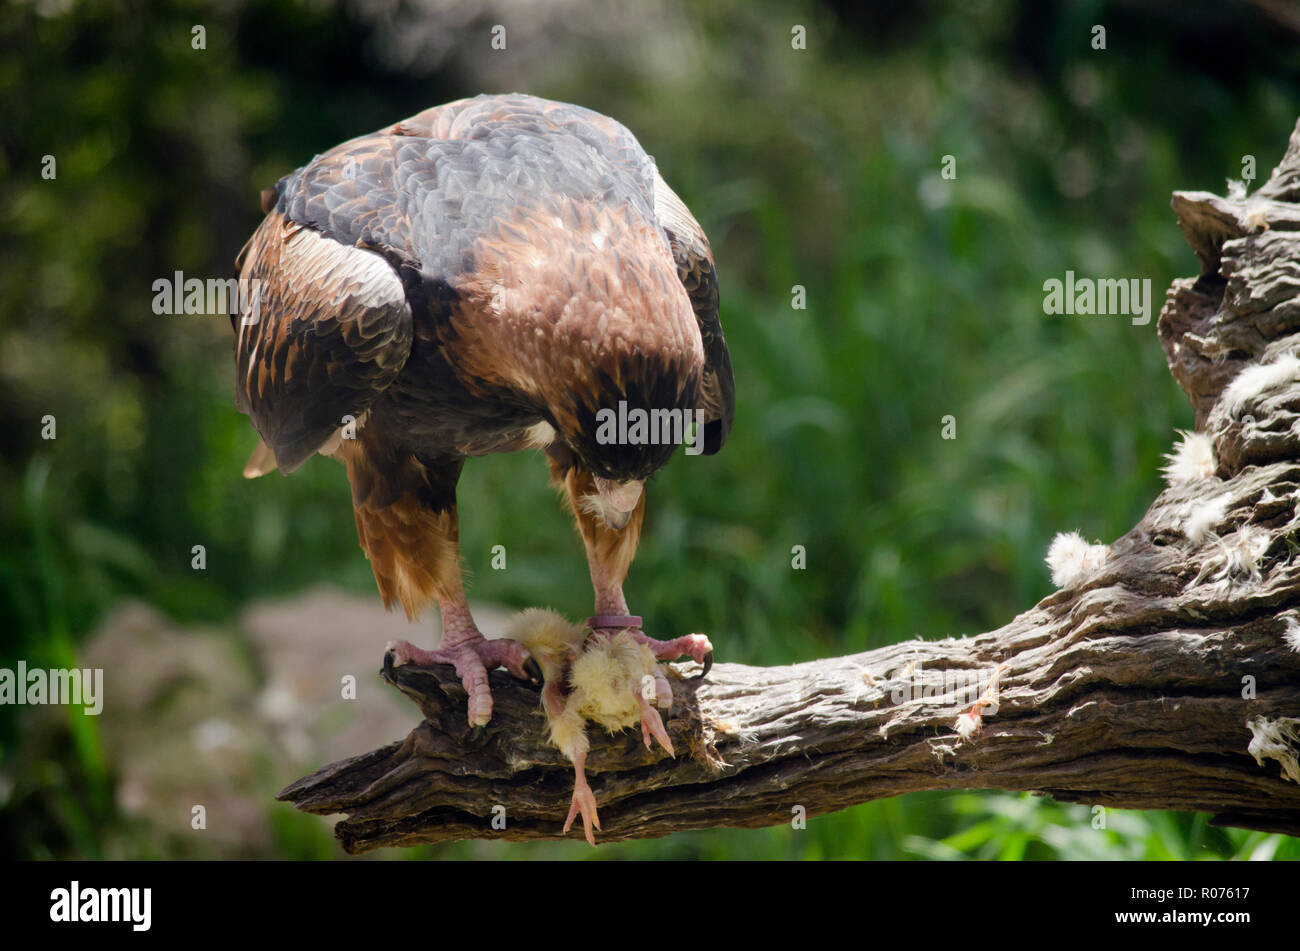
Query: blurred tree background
{"x": 816, "y": 167}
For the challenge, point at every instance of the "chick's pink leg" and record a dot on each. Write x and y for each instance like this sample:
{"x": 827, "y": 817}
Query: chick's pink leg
{"x": 653, "y": 725}
{"x": 584, "y": 801}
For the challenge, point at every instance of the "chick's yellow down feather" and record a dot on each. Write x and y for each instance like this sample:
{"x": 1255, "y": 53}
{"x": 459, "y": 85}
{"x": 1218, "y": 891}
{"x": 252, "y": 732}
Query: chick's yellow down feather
{"x": 605, "y": 677}
{"x": 552, "y": 639}
{"x": 555, "y": 642}
{"x": 608, "y": 677}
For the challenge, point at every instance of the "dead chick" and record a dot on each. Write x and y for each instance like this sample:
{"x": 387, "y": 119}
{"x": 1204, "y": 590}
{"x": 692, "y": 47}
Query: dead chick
{"x": 610, "y": 679}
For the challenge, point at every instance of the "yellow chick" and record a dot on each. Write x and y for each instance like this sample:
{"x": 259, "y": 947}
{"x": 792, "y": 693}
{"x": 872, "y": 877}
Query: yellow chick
{"x": 613, "y": 681}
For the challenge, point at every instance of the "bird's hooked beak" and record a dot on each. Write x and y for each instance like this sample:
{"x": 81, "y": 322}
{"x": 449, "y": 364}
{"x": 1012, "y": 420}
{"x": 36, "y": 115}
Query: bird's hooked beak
{"x": 618, "y": 500}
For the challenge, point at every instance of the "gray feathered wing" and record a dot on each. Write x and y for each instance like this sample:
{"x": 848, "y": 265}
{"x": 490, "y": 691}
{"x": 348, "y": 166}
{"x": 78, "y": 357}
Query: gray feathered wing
{"x": 695, "y": 269}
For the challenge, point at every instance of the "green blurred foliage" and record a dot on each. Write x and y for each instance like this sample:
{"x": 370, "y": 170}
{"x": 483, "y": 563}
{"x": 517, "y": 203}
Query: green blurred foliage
{"x": 817, "y": 168}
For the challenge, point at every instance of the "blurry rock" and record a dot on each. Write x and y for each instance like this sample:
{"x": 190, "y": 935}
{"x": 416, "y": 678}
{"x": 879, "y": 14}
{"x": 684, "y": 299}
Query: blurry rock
{"x": 177, "y": 731}
{"x": 225, "y": 718}
{"x": 308, "y": 645}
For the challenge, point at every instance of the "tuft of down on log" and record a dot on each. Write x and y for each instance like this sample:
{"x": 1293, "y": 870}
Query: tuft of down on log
{"x": 1165, "y": 674}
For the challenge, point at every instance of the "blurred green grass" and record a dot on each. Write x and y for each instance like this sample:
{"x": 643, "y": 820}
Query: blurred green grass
{"x": 924, "y": 299}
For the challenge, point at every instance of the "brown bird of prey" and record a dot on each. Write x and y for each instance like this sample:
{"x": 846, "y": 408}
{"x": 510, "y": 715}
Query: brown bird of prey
{"x": 494, "y": 274}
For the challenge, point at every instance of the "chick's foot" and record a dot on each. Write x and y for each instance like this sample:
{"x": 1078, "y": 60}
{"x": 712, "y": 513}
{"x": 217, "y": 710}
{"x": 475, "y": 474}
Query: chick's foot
{"x": 584, "y": 801}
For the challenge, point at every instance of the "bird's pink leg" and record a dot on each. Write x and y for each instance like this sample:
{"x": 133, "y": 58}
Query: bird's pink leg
{"x": 584, "y": 801}
{"x": 610, "y": 601}
{"x": 609, "y": 554}
{"x": 473, "y": 655}
{"x": 695, "y": 646}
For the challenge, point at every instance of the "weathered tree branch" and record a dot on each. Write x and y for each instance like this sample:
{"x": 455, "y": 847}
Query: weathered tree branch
{"x": 1131, "y": 688}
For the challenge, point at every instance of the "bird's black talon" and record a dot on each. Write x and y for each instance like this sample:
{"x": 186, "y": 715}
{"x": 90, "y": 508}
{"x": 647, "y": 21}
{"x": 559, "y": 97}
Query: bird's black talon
{"x": 708, "y": 665}
{"x": 476, "y": 734}
{"x": 388, "y": 662}
{"x": 534, "y": 671}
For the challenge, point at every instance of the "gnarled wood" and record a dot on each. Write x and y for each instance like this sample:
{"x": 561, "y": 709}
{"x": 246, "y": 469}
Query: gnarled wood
{"x": 1133, "y": 688}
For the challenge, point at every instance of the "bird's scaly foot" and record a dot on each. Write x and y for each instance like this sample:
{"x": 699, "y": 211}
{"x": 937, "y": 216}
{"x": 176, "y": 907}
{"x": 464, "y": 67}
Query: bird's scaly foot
{"x": 696, "y": 646}
{"x": 472, "y": 656}
{"x": 584, "y": 801}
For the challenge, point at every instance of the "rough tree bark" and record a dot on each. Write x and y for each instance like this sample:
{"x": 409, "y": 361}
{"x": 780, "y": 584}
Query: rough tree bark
{"x": 1166, "y": 677}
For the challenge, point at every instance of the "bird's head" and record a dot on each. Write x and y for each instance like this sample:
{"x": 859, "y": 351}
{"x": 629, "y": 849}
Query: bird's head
{"x": 625, "y": 425}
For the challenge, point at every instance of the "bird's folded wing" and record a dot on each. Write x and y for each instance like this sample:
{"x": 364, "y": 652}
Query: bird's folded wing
{"x": 695, "y": 270}
{"x": 326, "y": 329}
